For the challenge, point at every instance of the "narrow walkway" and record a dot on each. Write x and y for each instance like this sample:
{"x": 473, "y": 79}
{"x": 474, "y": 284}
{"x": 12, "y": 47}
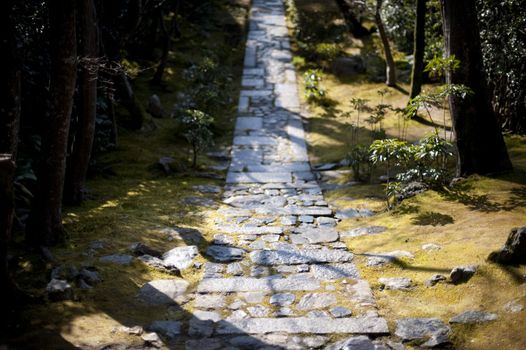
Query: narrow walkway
{"x": 280, "y": 268}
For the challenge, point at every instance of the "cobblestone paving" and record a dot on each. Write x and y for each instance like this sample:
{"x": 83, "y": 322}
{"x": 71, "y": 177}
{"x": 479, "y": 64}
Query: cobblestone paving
{"x": 278, "y": 275}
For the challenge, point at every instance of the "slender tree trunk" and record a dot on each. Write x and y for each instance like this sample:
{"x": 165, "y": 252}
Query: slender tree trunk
{"x": 354, "y": 25}
{"x": 45, "y": 222}
{"x": 158, "y": 76}
{"x": 419, "y": 48}
{"x": 10, "y": 107}
{"x": 390, "y": 70}
{"x": 79, "y": 160}
{"x": 480, "y": 145}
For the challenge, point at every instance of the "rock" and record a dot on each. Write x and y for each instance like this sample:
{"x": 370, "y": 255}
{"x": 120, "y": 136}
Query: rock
{"x": 282, "y": 299}
{"x": 90, "y": 275}
{"x": 316, "y": 301}
{"x": 473, "y": 317}
{"x": 334, "y": 271}
{"x": 353, "y": 213}
{"x": 180, "y": 257}
{"x": 514, "y": 250}
{"x": 169, "y": 329}
{"x": 313, "y": 235}
{"x": 117, "y": 259}
{"x": 213, "y": 270}
{"x": 412, "y": 189}
{"x": 288, "y": 220}
{"x": 58, "y": 290}
{"x": 326, "y": 222}
{"x": 395, "y": 283}
{"x": 200, "y": 201}
{"x": 317, "y": 314}
{"x": 167, "y": 165}
{"x": 139, "y": 249}
{"x": 157, "y": 263}
{"x": 225, "y": 253}
{"x": 135, "y": 330}
{"x": 221, "y": 239}
{"x": 258, "y": 311}
{"x": 362, "y": 231}
{"x": 435, "y": 279}
{"x": 325, "y": 166}
{"x": 360, "y": 342}
{"x": 234, "y": 269}
{"x": 462, "y": 274}
{"x": 267, "y": 284}
{"x": 306, "y": 219}
{"x": 513, "y": 306}
{"x": 207, "y": 188}
{"x": 299, "y": 256}
{"x": 429, "y": 331}
{"x": 202, "y": 323}
{"x": 154, "y": 107}
{"x": 163, "y": 292}
{"x": 378, "y": 259}
{"x": 187, "y": 234}
{"x": 348, "y": 66}
{"x": 209, "y": 301}
{"x": 340, "y": 311}
{"x": 431, "y": 247}
{"x": 65, "y": 272}
{"x": 152, "y": 339}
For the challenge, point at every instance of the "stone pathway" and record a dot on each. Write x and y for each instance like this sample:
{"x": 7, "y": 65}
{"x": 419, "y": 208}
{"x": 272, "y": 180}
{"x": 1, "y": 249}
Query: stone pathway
{"x": 278, "y": 275}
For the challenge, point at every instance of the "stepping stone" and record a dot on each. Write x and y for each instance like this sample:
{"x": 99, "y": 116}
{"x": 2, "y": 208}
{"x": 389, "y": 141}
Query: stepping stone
{"x": 163, "y": 292}
{"x": 258, "y": 177}
{"x": 360, "y": 342}
{"x": 282, "y": 299}
{"x": 395, "y": 283}
{"x": 340, "y": 311}
{"x": 316, "y": 301}
{"x": 207, "y": 188}
{"x": 353, "y": 213}
{"x": 240, "y": 230}
{"x": 248, "y": 284}
{"x": 300, "y": 256}
{"x": 473, "y": 317}
{"x": 180, "y": 257}
{"x": 363, "y": 325}
{"x": 430, "y": 332}
{"x": 254, "y": 140}
{"x": 362, "y": 231}
{"x": 334, "y": 271}
{"x": 308, "y": 235}
{"x": 225, "y": 253}
{"x": 209, "y": 301}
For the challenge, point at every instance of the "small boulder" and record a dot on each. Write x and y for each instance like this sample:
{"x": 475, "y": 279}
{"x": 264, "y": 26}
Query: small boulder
{"x": 152, "y": 339}
{"x": 431, "y": 332}
{"x": 462, "y": 274}
{"x": 396, "y": 283}
{"x": 90, "y": 275}
{"x": 435, "y": 279}
{"x": 154, "y": 107}
{"x": 169, "y": 329}
{"x": 58, "y": 290}
{"x": 180, "y": 257}
{"x": 473, "y": 317}
{"x": 139, "y": 249}
{"x": 513, "y": 307}
{"x": 117, "y": 259}
{"x": 514, "y": 250}
{"x": 348, "y": 66}
{"x": 167, "y": 164}
{"x": 65, "y": 272}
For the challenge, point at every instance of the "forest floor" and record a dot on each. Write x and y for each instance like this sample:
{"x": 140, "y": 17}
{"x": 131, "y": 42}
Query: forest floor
{"x": 132, "y": 200}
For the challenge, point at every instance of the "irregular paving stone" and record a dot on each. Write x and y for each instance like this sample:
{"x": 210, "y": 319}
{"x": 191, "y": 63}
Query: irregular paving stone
{"x": 245, "y": 284}
{"x": 473, "y": 317}
{"x": 258, "y": 311}
{"x": 360, "y": 342}
{"x": 378, "y": 259}
{"x": 300, "y": 256}
{"x": 202, "y": 323}
{"x": 209, "y": 301}
{"x": 314, "y": 235}
{"x": 90, "y": 275}
{"x": 180, "y": 257}
{"x": 316, "y": 301}
{"x": 360, "y": 293}
{"x": 317, "y": 314}
{"x": 58, "y": 290}
{"x": 362, "y": 231}
{"x": 513, "y": 306}
{"x": 152, "y": 339}
{"x": 258, "y": 177}
{"x": 225, "y": 253}
{"x": 253, "y": 297}
{"x": 353, "y": 213}
{"x": 139, "y": 249}
{"x": 288, "y": 220}
{"x": 223, "y": 239}
{"x": 158, "y": 264}
{"x": 395, "y": 283}
{"x": 237, "y": 315}
{"x": 163, "y": 291}
{"x": 251, "y": 230}
{"x": 461, "y": 274}
{"x": 334, "y": 271}
{"x": 340, "y": 311}
{"x": 169, "y": 329}
{"x": 234, "y": 269}
{"x": 282, "y": 299}
{"x": 200, "y": 201}
{"x": 237, "y": 304}
{"x": 213, "y": 270}
{"x": 325, "y": 221}
{"x": 117, "y": 259}
{"x": 364, "y": 325}
{"x": 207, "y": 188}
{"x": 429, "y": 331}
{"x": 308, "y": 219}
{"x": 187, "y": 234}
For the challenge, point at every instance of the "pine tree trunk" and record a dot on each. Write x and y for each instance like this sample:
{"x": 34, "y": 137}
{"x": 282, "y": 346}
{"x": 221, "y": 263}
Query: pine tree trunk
{"x": 480, "y": 145}
{"x": 390, "y": 69}
{"x": 417, "y": 73}
{"x": 79, "y": 160}
{"x": 45, "y": 222}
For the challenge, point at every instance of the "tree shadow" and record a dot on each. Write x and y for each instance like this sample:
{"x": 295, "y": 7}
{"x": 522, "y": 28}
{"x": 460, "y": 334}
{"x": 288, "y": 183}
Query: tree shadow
{"x": 432, "y": 219}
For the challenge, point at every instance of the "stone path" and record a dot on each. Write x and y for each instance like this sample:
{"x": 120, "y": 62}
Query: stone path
{"x": 278, "y": 275}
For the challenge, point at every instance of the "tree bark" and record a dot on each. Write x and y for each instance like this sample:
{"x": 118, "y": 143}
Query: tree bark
{"x": 354, "y": 25}
{"x": 7, "y": 212}
{"x": 480, "y": 144}
{"x": 167, "y": 37}
{"x": 419, "y": 48}
{"x": 45, "y": 221}
{"x": 81, "y": 154}
{"x": 390, "y": 69}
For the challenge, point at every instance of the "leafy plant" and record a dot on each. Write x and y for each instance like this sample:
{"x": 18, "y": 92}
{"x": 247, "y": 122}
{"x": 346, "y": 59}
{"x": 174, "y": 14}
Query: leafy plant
{"x": 388, "y": 151}
{"x": 197, "y": 131}
{"x": 359, "y": 162}
{"x": 313, "y": 89}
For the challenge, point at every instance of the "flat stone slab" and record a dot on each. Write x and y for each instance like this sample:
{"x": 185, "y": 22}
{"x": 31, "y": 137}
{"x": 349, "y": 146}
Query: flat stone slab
{"x": 363, "y": 231}
{"x": 254, "y": 140}
{"x": 474, "y": 317}
{"x": 180, "y": 257}
{"x": 295, "y": 210}
{"x": 225, "y": 253}
{"x": 334, "y": 271}
{"x": 245, "y": 284}
{"x": 395, "y": 283}
{"x": 163, "y": 292}
{"x": 430, "y": 331}
{"x": 299, "y": 256}
{"x": 313, "y": 235}
{"x": 258, "y": 177}
{"x": 312, "y": 301}
{"x": 248, "y": 230}
{"x": 357, "y": 325}
{"x": 249, "y": 123}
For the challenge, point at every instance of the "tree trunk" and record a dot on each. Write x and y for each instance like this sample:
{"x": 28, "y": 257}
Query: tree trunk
{"x": 45, "y": 222}
{"x": 158, "y": 76}
{"x": 390, "y": 70}
{"x": 419, "y": 48}
{"x": 480, "y": 145}
{"x": 79, "y": 160}
{"x": 7, "y": 212}
{"x": 129, "y": 102}
{"x": 354, "y": 25}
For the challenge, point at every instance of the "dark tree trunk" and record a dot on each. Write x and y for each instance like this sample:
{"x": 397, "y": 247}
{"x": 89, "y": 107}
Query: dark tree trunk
{"x": 45, "y": 222}
{"x": 129, "y": 102}
{"x": 10, "y": 106}
{"x": 83, "y": 144}
{"x": 390, "y": 70}
{"x": 419, "y": 48}
{"x": 480, "y": 145}
{"x": 167, "y": 37}
{"x": 354, "y": 25}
